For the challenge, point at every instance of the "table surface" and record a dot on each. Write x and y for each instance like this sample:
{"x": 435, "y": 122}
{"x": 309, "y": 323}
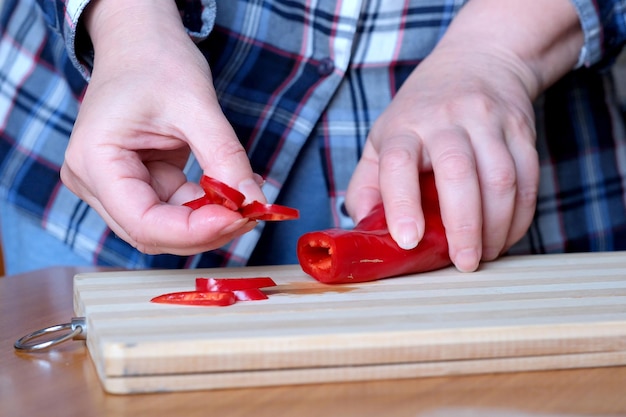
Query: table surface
{"x": 63, "y": 381}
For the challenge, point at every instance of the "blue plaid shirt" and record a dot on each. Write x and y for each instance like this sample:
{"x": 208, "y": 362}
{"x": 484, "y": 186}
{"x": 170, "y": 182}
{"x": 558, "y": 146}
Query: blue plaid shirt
{"x": 291, "y": 77}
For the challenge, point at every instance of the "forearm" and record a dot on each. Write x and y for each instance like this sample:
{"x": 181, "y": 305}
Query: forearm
{"x": 539, "y": 40}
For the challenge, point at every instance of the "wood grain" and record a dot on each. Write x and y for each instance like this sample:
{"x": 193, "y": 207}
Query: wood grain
{"x": 516, "y": 314}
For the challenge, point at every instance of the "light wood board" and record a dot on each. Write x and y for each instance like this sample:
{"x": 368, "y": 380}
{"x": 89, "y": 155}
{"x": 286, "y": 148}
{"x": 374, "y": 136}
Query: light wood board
{"x": 515, "y": 314}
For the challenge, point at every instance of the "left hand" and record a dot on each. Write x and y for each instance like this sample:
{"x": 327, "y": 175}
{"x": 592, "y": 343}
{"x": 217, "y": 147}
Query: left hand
{"x": 471, "y": 121}
{"x": 466, "y": 113}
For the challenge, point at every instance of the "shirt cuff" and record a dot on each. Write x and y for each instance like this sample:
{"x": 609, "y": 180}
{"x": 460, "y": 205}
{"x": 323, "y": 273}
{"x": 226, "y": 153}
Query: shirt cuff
{"x": 191, "y": 12}
{"x": 588, "y": 14}
{"x": 198, "y": 17}
{"x": 73, "y": 11}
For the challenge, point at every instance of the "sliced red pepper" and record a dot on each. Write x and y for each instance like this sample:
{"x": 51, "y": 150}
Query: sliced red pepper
{"x": 268, "y": 212}
{"x": 233, "y": 284}
{"x": 198, "y": 202}
{"x": 197, "y": 298}
{"x": 368, "y": 252}
{"x": 216, "y": 192}
{"x": 220, "y": 193}
{"x": 219, "y": 292}
{"x": 250, "y": 294}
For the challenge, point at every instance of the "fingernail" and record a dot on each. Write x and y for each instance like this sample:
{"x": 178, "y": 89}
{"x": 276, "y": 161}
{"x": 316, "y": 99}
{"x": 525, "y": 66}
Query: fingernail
{"x": 258, "y": 179}
{"x": 250, "y": 187}
{"x": 407, "y": 233}
{"x": 249, "y": 183}
{"x": 467, "y": 260}
{"x": 234, "y": 226}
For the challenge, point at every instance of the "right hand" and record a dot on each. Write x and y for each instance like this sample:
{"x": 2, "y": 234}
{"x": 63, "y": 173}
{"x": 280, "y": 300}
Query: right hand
{"x": 151, "y": 102}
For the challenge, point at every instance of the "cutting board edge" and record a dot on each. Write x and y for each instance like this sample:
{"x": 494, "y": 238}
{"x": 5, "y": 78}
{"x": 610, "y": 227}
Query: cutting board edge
{"x": 407, "y": 345}
{"x": 266, "y": 378}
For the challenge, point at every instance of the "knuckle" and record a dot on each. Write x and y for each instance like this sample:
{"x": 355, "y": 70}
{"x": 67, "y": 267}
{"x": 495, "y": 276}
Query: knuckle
{"x": 223, "y": 154}
{"x": 473, "y": 101}
{"x": 397, "y": 158}
{"x": 480, "y": 103}
{"x": 455, "y": 165}
{"x": 465, "y": 228}
{"x": 229, "y": 149}
{"x": 522, "y": 124}
{"x": 464, "y": 232}
{"x": 501, "y": 181}
{"x": 527, "y": 197}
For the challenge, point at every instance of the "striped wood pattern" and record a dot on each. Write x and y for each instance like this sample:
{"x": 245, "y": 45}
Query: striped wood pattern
{"x": 515, "y": 314}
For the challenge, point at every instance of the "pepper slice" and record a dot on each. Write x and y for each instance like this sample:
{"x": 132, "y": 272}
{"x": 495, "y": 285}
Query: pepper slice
{"x": 219, "y": 292}
{"x": 250, "y": 294}
{"x": 198, "y": 202}
{"x": 216, "y": 192}
{"x": 368, "y": 252}
{"x": 268, "y": 212}
{"x": 198, "y": 298}
{"x": 233, "y": 284}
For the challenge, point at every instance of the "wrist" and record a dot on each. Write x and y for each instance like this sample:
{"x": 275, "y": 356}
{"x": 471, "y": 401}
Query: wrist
{"x": 539, "y": 41}
{"x": 119, "y": 25}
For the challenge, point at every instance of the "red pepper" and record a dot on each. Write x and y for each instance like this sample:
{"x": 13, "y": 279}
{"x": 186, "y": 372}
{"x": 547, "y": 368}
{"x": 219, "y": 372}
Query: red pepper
{"x": 198, "y": 202}
{"x": 233, "y": 284}
{"x": 216, "y": 192}
{"x": 197, "y": 298}
{"x": 268, "y": 212}
{"x": 219, "y": 193}
{"x": 368, "y": 252}
{"x": 219, "y": 292}
{"x": 250, "y": 294}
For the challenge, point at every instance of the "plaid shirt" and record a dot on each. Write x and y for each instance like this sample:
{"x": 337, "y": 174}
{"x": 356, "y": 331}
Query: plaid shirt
{"x": 294, "y": 73}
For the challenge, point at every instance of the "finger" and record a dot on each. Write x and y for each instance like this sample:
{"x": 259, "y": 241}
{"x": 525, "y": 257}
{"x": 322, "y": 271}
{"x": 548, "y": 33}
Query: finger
{"x": 398, "y": 177}
{"x": 498, "y": 184}
{"x": 219, "y": 152}
{"x": 459, "y": 196}
{"x": 363, "y": 191}
{"x": 522, "y": 146}
{"x": 166, "y": 180}
{"x": 208, "y": 228}
{"x": 164, "y": 228}
{"x": 134, "y": 211}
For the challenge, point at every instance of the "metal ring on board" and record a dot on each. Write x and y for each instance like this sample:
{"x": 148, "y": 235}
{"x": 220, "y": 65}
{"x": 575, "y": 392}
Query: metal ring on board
{"x": 76, "y": 330}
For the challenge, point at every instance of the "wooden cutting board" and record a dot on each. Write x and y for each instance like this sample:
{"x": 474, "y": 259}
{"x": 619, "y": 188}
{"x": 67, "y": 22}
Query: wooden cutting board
{"x": 515, "y": 314}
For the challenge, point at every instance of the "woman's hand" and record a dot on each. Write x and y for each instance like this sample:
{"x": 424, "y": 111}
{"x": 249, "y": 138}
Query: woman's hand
{"x": 466, "y": 113}
{"x": 151, "y": 101}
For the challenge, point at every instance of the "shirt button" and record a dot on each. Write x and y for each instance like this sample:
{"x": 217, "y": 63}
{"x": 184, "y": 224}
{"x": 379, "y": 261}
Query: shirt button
{"x": 325, "y": 67}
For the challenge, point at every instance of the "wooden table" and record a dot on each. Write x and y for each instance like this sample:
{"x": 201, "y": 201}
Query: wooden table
{"x": 62, "y": 382}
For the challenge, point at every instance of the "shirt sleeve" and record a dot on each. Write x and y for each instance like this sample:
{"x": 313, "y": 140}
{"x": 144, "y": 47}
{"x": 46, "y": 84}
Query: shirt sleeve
{"x": 604, "y": 28}
{"x": 64, "y": 16}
